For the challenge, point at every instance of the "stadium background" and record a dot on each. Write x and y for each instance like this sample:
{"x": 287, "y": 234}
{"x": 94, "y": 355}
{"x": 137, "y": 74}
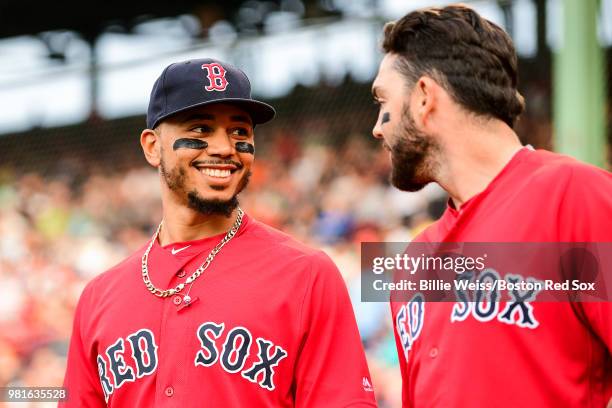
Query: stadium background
{"x": 76, "y": 195}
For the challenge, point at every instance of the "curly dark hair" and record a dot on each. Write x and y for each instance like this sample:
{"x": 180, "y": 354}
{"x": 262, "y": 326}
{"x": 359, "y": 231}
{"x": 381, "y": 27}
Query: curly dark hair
{"x": 471, "y": 57}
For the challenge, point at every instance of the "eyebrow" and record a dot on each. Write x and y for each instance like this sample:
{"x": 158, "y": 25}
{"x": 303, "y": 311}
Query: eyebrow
{"x": 241, "y": 118}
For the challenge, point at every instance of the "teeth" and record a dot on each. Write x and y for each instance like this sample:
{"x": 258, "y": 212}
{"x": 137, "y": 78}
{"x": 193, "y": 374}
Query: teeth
{"x": 216, "y": 172}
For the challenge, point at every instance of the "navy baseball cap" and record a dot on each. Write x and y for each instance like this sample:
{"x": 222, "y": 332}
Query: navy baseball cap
{"x": 185, "y": 85}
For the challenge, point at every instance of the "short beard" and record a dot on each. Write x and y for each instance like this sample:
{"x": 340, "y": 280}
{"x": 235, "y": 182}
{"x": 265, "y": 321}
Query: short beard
{"x": 216, "y": 207}
{"x": 175, "y": 180}
{"x": 412, "y": 161}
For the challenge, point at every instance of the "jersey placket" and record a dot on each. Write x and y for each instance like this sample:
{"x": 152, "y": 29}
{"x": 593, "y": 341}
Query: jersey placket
{"x": 174, "y": 335}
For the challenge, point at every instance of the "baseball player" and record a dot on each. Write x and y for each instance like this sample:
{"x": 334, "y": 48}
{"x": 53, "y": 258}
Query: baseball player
{"x": 447, "y": 89}
{"x": 217, "y": 309}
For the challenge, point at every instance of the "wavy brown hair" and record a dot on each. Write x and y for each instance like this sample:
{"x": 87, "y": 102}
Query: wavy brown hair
{"x": 471, "y": 57}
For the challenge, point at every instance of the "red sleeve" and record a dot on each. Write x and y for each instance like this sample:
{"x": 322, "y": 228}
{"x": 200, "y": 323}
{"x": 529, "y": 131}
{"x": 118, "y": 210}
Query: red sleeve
{"x": 331, "y": 369}
{"x": 585, "y": 217}
{"x": 81, "y": 379}
{"x": 586, "y": 208}
{"x": 599, "y": 315}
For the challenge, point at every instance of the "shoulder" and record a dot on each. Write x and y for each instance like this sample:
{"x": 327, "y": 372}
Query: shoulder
{"x": 580, "y": 193}
{"x": 555, "y": 167}
{"x": 572, "y": 183}
{"x": 549, "y": 177}
{"x": 280, "y": 242}
{"x": 289, "y": 254}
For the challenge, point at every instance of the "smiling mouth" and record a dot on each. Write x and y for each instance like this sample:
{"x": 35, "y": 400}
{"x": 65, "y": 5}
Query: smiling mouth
{"x": 217, "y": 173}
{"x": 217, "y": 170}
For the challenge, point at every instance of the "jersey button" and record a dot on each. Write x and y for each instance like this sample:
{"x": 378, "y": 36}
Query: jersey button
{"x": 177, "y": 300}
{"x": 433, "y": 353}
{"x": 181, "y": 274}
{"x": 169, "y": 391}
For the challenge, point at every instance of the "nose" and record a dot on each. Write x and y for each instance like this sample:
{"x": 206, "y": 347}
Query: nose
{"x": 220, "y": 144}
{"x": 377, "y": 130}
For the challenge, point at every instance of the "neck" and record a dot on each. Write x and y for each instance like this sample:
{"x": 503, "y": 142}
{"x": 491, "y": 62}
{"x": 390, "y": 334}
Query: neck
{"x": 184, "y": 224}
{"x": 474, "y": 158}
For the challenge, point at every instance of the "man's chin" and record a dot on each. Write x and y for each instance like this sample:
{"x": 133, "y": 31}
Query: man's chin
{"x": 407, "y": 184}
{"x": 212, "y": 206}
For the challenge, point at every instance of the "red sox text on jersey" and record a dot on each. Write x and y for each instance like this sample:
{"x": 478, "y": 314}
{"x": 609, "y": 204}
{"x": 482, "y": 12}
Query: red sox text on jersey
{"x": 230, "y": 350}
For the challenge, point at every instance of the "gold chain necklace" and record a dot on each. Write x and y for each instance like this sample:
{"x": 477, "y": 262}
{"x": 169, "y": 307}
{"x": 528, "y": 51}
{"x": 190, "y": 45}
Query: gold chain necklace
{"x": 169, "y": 292}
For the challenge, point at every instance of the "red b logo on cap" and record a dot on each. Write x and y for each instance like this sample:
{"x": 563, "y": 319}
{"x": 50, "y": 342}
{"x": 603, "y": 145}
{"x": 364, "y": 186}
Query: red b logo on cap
{"x": 216, "y": 76}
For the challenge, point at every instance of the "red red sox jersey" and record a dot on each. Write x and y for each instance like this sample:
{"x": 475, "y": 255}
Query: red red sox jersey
{"x": 519, "y": 353}
{"x": 270, "y": 324}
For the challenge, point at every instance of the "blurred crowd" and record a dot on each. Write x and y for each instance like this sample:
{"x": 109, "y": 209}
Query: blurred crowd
{"x": 59, "y": 230}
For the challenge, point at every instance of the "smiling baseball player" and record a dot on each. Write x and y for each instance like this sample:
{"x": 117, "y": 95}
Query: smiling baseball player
{"x": 217, "y": 309}
{"x": 447, "y": 89}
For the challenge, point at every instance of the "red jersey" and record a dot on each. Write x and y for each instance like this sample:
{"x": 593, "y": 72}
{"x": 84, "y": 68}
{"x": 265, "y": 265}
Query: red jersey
{"x": 270, "y": 324}
{"x": 525, "y": 354}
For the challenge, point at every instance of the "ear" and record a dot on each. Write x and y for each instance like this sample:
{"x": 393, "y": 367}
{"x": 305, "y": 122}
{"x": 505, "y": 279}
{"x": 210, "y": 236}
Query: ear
{"x": 151, "y": 146}
{"x": 425, "y": 99}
